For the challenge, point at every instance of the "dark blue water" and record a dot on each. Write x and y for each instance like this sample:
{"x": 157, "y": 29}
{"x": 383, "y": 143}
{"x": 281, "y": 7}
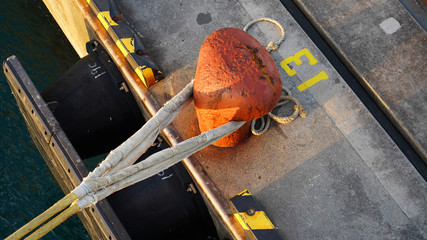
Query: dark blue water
{"x": 27, "y": 187}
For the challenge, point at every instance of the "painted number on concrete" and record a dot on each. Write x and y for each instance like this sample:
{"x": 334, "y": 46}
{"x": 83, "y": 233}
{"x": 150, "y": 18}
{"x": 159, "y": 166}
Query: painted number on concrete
{"x": 297, "y": 59}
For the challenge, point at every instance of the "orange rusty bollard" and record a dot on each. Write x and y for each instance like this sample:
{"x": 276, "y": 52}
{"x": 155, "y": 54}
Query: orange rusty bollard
{"x": 236, "y": 80}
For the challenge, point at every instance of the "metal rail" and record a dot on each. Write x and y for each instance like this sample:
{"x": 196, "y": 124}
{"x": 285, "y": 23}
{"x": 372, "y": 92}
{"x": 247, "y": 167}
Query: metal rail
{"x": 149, "y": 106}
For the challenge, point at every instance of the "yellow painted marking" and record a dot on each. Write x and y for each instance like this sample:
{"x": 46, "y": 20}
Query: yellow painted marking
{"x": 106, "y": 19}
{"x": 139, "y": 72}
{"x": 245, "y": 193}
{"x": 258, "y": 221}
{"x": 126, "y": 46}
{"x": 129, "y": 44}
{"x": 310, "y": 82}
{"x": 88, "y": 1}
{"x": 297, "y": 59}
{"x": 241, "y": 222}
{"x": 122, "y": 48}
{"x": 149, "y": 76}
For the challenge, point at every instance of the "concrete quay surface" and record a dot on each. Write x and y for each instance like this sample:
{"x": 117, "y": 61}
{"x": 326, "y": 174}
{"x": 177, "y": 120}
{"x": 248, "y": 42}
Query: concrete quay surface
{"x": 386, "y": 47}
{"x": 335, "y": 174}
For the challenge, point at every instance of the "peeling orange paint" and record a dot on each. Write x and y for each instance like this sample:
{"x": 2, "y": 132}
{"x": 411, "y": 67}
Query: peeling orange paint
{"x": 235, "y": 72}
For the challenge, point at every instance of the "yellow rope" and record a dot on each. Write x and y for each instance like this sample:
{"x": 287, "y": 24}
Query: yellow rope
{"x": 39, "y": 233}
{"x": 57, "y": 207}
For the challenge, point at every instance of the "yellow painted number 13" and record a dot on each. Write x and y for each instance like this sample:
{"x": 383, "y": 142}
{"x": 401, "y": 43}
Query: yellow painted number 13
{"x": 297, "y": 59}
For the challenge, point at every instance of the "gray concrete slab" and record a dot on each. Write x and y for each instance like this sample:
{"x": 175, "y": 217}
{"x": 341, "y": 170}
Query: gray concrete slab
{"x": 335, "y": 196}
{"x": 335, "y": 174}
{"x": 386, "y": 46}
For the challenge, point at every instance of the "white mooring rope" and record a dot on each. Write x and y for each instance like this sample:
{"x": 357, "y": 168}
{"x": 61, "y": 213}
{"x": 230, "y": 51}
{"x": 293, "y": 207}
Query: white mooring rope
{"x": 113, "y": 175}
{"x": 117, "y": 172}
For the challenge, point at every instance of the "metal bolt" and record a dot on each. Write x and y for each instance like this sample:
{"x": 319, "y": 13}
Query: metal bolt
{"x": 117, "y": 18}
{"x": 191, "y": 188}
{"x": 250, "y": 211}
{"x": 139, "y": 52}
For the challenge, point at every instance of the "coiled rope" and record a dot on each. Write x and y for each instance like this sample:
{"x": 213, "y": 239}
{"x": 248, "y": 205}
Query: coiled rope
{"x": 265, "y": 121}
{"x": 117, "y": 172}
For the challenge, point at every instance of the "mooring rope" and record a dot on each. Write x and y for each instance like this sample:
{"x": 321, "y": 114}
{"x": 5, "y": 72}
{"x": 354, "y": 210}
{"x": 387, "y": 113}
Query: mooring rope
{"x": 272, "y": 46}
{"x": 265, "y": 121}
{"x": 298, "y": 111}
{"x": 117, "y": 172}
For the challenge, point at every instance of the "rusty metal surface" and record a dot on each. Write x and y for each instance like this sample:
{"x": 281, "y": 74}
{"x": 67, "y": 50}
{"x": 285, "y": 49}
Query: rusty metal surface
{"x": 149, "y": 106}
{"x": 337, "y": 160}
{"x": 236, "y": 80}
{"x": 333, "y": 175}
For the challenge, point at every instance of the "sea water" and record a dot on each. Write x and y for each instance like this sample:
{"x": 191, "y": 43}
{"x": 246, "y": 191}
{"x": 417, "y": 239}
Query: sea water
{"x": 27, "y": 187}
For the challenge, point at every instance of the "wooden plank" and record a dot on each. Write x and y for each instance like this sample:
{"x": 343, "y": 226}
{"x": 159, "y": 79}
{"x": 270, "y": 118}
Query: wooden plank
{"x": 71, "y": 22}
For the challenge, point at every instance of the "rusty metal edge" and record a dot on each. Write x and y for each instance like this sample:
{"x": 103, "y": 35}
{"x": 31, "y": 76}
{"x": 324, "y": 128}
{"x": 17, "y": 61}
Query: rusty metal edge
{"x": 149, "y": 106}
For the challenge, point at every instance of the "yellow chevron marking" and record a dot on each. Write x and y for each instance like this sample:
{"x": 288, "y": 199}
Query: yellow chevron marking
{"x": 106, "y": 19}
{"x": 245, "y": 193}
{"x": 255, "y": 222}
{"x": 126, "y": 46}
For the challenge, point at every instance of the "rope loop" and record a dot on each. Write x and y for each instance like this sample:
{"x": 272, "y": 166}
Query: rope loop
{"x": 298, "y": 111}
{"x": 272, "y": 46}
{"x": 264, "y": 124}
{"x": 284, "y": 99}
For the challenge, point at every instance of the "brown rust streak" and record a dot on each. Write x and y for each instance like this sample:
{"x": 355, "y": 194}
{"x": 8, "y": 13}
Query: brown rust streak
{"x": 212, "y": 194}
{"x": 260, "y": 64}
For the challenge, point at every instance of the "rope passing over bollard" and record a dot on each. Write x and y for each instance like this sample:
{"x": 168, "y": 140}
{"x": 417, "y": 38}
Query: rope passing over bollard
{"x": 236, "y": 79}
{"x": 117, "y": 172}
{"x": 265, "y": 121}
{"x": 113, "y": 174}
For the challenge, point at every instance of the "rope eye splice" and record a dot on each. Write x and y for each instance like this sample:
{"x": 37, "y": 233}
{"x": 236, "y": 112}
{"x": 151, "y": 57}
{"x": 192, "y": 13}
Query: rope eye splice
{"x": 117, "y": 172}
{"x": 236, "y": 80}
{"x": 272, "y": 46}
{"x": 265, "y": 120}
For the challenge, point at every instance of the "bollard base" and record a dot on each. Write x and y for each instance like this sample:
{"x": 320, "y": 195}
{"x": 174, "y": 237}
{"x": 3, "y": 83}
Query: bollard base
{"x": 234, "y": 138}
